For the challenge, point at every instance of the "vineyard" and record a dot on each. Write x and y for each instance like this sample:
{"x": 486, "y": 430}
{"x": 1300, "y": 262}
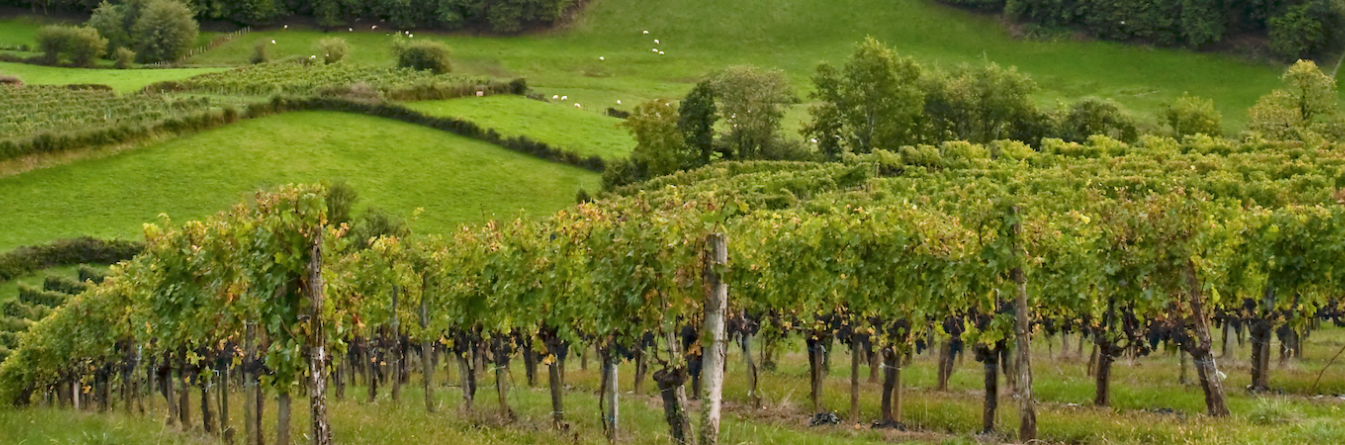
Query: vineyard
{"x": 307, "y": 78}
{"x": 35, "y": 109}
{"x": 984, "y": 248}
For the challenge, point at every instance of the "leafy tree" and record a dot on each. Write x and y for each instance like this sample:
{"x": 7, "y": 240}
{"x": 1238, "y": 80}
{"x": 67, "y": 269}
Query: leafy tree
{"x": 110, "y": 21}
{"x": 165, "y": 31}
{"x": 1092, "y": 116}
{"x": 1307, "y": 100}
{"x": 660, "y": 145}
{"x": 1305, "y": 29}
{"x": 873, "y": 102}
{"x": 1192, "y": 115}
{"x": 752, "y": 103}
{"x": 697, "y": 116}
{"x": 328, "y": 13}
{"x": 980, "y": 104}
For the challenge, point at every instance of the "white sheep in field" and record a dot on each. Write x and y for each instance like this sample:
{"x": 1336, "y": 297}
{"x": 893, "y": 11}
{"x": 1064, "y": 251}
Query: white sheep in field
{"x": 555, "y": 97}
{"x": 273, "y": 42}
{"x": 646, "y": 32}
{"x": 618, "y": 101}
{"x": 564, "y": 98}
{"x": 602, "y": 58}
{"x": 578, "y": 106}
{"x": 656, "y": 41}
{"x": 352, "y": 29}
{"x": 373, "y": 27}
{"x": 655, "y": 50}
{"x": 660, "y": 53}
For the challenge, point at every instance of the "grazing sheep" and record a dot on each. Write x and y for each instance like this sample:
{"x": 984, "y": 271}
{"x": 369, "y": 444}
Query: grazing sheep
{"x": 578, "y": 106}
{"x": 646, "y": 32}
{"x": 273, "y": 42}
{"x": 555, "y": 97}
{"x": 655, "y": 49}
{"x": 656, "y": 41}
{"x": 618, "y": 101}
{"x": 564, "y": 98}
{"x": 602, "y": 58}
{"x": 660, "y": 53}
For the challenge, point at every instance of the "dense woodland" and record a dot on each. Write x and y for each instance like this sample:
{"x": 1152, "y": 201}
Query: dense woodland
{"x": 500, "y": 16}
{"x": 1296, "y": 28}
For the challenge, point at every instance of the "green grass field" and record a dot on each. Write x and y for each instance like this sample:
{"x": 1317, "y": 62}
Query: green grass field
{"x": 22, "y": 30}
{"x": 585, "y": 131}
{"x": 1142, "y": 390}
{"x": 395, "y": 166}
{"x": 701, "y": 36}
{"x": 120, "y": 80}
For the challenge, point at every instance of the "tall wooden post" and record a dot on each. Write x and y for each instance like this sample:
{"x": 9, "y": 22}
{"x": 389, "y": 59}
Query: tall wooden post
{"x": 1027, "y": 410}
{"x": 317, "y": 369}
{"x": 714, "y": 337}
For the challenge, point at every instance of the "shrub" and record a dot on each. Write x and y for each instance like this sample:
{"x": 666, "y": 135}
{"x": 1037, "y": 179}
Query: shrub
{"x": 80, "y": 44}
{"x": 424, "y": 55}
{"x": 24, "y": 260}
{"x": 164, "y": 31}
{"x": 333, "y": 49}
{"x": 1192, "y": 115}
{"x": 124, "y": 57}
{"x": 260, "y": 53}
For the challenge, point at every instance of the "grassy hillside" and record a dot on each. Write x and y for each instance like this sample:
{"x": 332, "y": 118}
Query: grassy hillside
{"x": 558, "y": 124}
{"x": 120, "y": 80}
{"x": 398, "y": 167}
{"x": 700, "y": 36}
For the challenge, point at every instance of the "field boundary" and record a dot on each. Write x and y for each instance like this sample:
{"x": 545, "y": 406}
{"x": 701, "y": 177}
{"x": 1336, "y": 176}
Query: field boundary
{"x": 203, "y": 48}
{"x": 48, "y": 143}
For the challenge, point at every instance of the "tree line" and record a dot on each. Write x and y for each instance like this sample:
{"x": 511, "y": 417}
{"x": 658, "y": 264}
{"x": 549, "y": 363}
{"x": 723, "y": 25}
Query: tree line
{"x": 507, "y": 16}
{"x": 879, "y": 100}
{"x": 1295, "y": 29}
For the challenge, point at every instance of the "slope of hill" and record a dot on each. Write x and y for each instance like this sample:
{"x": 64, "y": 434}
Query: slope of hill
{"x": 401, "y": 167}
{"x": 700, "y": 36}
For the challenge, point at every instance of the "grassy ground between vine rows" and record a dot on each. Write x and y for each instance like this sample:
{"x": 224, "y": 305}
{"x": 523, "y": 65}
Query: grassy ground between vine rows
{"x": 1145, "y": 389}
{"x": 395, "y": 166}
{"x": 10, "y": 289}
{"x": 560, "y": 125}
{"x": 123, "y": 81}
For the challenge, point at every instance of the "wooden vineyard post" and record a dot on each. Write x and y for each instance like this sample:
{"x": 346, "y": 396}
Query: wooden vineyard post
{"x": 426, "y": 347}
{"x": 1027, "y": 410}
{"x": 714, "y": 336}
{"x": 321, "y": 431}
